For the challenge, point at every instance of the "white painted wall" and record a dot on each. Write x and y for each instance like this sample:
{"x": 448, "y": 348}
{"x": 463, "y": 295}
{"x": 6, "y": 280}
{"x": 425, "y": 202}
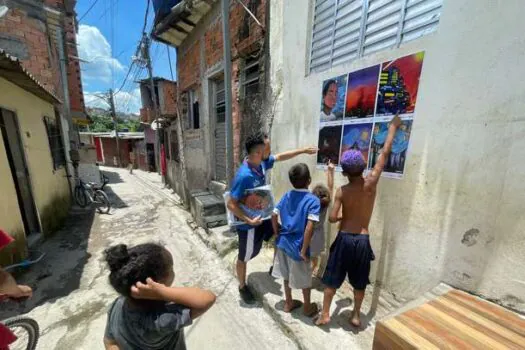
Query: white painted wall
{"x": 465, "y": 171}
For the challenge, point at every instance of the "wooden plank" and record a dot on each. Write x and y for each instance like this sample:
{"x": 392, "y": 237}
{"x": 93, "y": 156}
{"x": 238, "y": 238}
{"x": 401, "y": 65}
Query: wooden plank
{"x": 503, "y": 335}
{"x": 388, "y": 336}
{"x": 488, "y": 310}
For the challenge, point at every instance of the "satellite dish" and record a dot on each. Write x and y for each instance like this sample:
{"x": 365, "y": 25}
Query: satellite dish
{"x": 3, "y": 10}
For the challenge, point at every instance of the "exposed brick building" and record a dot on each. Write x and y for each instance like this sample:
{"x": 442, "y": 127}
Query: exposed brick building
{"x": 42, "y": 34}
{"x": 195, "y": 29}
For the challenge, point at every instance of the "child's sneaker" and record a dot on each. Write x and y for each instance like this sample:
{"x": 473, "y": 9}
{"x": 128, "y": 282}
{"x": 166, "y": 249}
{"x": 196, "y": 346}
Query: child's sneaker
{"x": 247, "y": 295}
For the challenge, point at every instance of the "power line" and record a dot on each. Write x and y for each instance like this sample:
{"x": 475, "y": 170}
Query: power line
{"x": 88, "y": 10}
{"x": 146, "y": 17}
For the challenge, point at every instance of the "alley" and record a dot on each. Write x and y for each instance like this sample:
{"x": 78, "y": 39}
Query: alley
{"x": 71, "y": 289}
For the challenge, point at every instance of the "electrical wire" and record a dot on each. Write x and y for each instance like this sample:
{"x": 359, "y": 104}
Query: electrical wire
{"x": 88, "y": 10}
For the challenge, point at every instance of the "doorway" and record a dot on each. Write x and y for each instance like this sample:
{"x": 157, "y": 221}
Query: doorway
{"x": 219, "y": 108}
{"x": 19, "y": 171}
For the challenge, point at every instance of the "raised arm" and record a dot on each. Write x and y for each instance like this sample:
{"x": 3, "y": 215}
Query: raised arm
{"x": 334, "y": 214}
{"x": 196, "y": 299}
{"x": 330, "y": 178}
{"x": 375, "y": 174}
{"x": 291, "y": 154}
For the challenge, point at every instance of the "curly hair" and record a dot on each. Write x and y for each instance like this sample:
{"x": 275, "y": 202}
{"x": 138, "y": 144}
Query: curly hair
{"x": 323, "y": 193}
{"x": 254, "y": 140}
{"x": 353, "y": 163}
{"x": 131, "y": 265}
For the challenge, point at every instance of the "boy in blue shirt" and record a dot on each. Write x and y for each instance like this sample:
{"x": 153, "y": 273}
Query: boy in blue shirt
{"x": 252, "y": 174}
{"x": 299, "y": 211}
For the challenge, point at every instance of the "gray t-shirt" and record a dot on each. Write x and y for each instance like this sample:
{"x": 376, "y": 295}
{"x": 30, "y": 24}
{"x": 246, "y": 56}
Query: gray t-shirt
{"x": 317, "y": 242}
{"x": 157, "y": 328}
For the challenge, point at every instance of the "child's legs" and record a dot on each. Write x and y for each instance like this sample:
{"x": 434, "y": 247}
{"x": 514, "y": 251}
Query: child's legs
{"x": 250, "y": 243}
{"x": 359, "y": 295}
{"x": 315, "y": 261}
{"x": 327, "y": 301}
{"x": 241, "y": 273}
{"x": 287, "y": 294}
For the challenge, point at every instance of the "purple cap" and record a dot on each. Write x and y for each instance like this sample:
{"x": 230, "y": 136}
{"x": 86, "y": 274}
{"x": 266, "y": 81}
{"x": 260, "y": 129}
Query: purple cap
{"x": 352, "y": 162}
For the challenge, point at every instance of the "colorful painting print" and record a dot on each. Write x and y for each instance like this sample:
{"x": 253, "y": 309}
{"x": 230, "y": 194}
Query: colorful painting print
{"x": 396, "y": 160}
{"x": 357, "y": 136}
{"x": 398, "y": 85}
{"x": 333, "y": 99}
{"x": 362, "y": 92}
{"x": 329, "y": 144}
{"x": 256, "y": 202}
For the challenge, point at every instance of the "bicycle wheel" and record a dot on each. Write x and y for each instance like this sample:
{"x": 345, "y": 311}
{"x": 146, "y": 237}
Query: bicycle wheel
{"x": 26, "y": 330}
{"x": 101, "y": 200}
{"x": 80, "y": 196}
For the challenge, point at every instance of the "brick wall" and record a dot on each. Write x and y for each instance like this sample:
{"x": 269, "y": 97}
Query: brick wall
{"x": 109, "y": 147}
{"x": 188, "y": 66}
{"x": 76, "y": 94}
{"x": 169, "y": 102}
{"x": 26, "y": 38}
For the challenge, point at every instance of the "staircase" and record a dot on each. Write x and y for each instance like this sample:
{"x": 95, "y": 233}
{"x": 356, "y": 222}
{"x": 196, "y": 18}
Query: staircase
{"x": 207, "y": 206}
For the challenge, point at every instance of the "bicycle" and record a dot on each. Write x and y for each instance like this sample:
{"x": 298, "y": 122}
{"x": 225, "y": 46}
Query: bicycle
{"x": 92, "y": 193}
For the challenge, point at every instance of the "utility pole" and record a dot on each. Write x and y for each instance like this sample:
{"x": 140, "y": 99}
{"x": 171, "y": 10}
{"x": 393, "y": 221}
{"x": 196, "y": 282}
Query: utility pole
{"x": 147, "y": 58}
{"x": 227, "y": 89}
{"x": 115, "y": 124}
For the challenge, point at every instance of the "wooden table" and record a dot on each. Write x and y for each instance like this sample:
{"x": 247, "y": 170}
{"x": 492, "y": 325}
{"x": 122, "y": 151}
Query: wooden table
{"x": 455, "y": 320}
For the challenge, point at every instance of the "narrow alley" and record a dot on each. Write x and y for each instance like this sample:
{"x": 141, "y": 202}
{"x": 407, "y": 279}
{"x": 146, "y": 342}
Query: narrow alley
{"x": 72, "y": 293}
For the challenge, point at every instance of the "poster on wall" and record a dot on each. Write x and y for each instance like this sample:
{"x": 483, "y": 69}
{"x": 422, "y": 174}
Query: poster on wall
{"x": 356, "y": 110}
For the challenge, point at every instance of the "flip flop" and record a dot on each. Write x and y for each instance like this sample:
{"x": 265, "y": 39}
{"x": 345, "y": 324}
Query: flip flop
{"x": 313, "y": 311}
{"x": 295, "y": 305}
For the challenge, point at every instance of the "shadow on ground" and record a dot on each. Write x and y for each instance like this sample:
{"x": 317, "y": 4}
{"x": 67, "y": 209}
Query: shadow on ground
{"x": 59, "y": 272}
{"x": 114, "y": 199}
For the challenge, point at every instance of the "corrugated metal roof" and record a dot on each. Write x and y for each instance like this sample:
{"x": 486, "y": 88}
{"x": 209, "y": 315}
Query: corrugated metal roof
{"x": 11, "y": 69}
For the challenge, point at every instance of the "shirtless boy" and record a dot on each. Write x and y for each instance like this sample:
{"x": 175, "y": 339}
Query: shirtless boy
{"x": 351, "y": 252}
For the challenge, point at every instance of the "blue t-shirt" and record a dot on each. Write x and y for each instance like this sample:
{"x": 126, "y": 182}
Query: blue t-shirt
{"x": 248, "y": 178}
{"x": 295, "y": 209}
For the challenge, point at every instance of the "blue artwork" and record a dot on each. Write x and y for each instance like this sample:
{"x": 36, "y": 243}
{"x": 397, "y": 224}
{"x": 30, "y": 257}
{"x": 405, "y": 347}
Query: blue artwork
{"x": 396, "y": 160}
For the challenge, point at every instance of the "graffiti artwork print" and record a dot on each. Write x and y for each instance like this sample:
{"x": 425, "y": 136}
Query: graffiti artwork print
{"x": 333, "y": 99}
{"x": 256, "y": 202}
{"x": 357, "y": 136}
{"x": 396, "y": 161}
{"x": 399, "y": 84}
{"x": 329, "y": 144}
{"x": 361, "y": 93}
{"x": 371, "y": 98}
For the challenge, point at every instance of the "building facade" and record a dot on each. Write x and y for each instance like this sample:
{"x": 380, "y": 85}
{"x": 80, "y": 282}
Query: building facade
{"x": 456, "y": 215}
{"x": 195, "y": 29}
{"x": 33, "y": 181}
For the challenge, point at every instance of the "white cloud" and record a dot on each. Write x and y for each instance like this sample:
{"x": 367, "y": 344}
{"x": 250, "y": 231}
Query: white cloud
{"x": 94, "y": 48}
{"x": 126, "y": 102}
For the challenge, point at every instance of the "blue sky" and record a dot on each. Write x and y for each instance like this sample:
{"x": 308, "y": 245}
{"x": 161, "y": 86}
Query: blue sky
{"x": 108, "y": 36}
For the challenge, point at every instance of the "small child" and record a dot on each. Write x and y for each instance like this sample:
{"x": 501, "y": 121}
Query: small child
{"x": 324, "y": 194}
{"x": 299, "y": 210}
{"x": 149, "y": 314}
{"x": 351, "y": 252}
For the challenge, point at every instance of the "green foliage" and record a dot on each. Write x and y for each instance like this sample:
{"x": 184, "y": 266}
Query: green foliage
{"x": 104, "y": 123}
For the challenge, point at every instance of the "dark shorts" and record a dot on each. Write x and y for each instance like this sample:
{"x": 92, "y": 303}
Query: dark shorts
{"x": 350, "y": 254}
{"x": 250, "y": 241}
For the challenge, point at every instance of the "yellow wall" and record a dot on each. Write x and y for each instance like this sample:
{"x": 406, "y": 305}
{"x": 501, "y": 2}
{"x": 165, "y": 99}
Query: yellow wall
{"x": 50, "y": 188}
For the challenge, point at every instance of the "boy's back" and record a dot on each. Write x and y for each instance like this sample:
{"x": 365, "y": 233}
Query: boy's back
{"x": 357, "y": 201}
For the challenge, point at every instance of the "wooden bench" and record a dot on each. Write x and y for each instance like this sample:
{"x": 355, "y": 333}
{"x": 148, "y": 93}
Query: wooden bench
{"x": 455, "y": 320}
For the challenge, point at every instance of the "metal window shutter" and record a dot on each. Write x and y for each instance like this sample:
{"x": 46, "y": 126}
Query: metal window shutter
{"x": 347, "y": 27}
{"x": 322, "y": 33}
{"x": 421, "y": 18}
{"x": 382, "y": 25}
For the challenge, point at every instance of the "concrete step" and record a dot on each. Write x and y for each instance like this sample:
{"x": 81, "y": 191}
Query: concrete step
{"x": 208, "y": 209}
{"x": 217, "y": 188}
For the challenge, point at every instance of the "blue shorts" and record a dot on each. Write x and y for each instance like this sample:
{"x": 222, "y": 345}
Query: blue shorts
{"x": 350, "y": 255}
{"x": 251, "y": 240}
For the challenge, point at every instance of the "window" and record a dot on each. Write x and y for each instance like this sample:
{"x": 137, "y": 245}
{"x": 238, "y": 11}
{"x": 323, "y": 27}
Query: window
{"x": 193, "y": 110}
{"x": 174, "y": 146}
{"x": 244, "y": 30}
{"x": 56, "y": 145}
{"x": 250, "y": 77}
{"x": 344, "y": 30}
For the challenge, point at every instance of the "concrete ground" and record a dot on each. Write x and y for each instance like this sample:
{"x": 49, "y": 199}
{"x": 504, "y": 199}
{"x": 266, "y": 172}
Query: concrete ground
{"x": 72, "y": 293}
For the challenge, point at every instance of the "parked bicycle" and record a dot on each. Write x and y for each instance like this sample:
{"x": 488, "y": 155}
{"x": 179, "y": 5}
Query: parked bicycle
{"x": 92, "y": 194}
